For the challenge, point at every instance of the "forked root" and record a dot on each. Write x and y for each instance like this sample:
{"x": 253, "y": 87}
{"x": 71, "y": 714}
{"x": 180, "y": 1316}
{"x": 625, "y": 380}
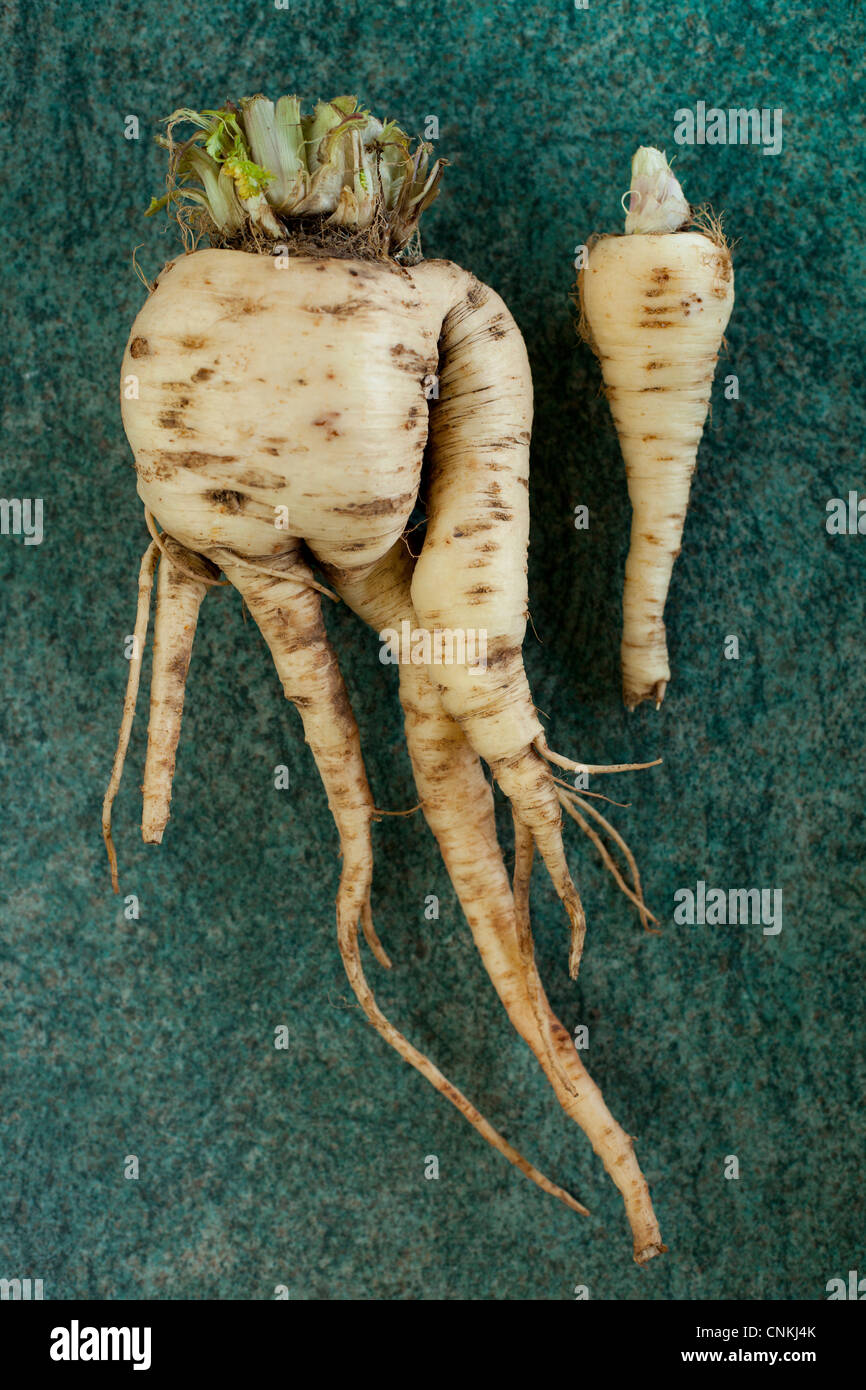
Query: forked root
{"x": 457, "y": 802}
{"x": 288, "y": 613}
{"x": 524, "y": 852}
{"x": 347, "y": 936}
{"x": 524, "y": 849}
{"x": 182, "y": 582}
{"x": 527, "y": 782}
{"x": 371, "y": 936}
{"x": 145, "y": 586}
{"x": 289, "y": 616}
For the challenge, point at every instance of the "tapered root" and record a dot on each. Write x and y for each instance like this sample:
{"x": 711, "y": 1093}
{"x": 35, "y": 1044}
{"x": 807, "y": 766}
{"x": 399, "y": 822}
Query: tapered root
{"x": 145, "y": 587}
{"x": 459, "y": 808}
{"x": 524, "y": 849}
{"x": 182, "y": 582}
{"x": 289, "y": 615}
{"x": 524, "y": 852}
{"x": 527, "y": 782}
{"x": 371, "y": 936}
{"x": 457, "y": 802}
{"x": 504, "y": 941}
{"x": 347, "y": 935}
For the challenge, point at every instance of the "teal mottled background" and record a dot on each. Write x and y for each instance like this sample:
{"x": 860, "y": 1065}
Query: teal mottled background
{"x": 155, "y": 1037}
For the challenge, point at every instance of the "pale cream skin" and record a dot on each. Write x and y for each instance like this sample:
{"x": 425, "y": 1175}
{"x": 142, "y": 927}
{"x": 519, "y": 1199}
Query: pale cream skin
{"x": 280, "y": 386}
{"x": 299, "y": 393}
{"x": 305, "y": 388}
{"x": 656, "y": 306}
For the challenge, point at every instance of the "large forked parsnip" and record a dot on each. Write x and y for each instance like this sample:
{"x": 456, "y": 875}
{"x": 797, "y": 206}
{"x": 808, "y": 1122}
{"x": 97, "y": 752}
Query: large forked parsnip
{"x": 654, "y": 307}
{"x": 279, "y": 418}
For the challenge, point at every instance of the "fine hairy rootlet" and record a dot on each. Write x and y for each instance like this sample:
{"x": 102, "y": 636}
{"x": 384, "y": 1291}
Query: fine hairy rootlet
{"x": 279, "y": 425}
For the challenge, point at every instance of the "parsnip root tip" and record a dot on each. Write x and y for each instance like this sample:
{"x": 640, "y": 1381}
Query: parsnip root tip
{"x": 112, "y": 858}
{"x": 655, "y": 692}
{"x": 570, "y": 899}
{"x": 371, "y": 937}
{"x": 573, "y": 1203}
{"x": 578, "y": 938}
{"x": 649, "y": 1252}
{"x": 142, "y": 614}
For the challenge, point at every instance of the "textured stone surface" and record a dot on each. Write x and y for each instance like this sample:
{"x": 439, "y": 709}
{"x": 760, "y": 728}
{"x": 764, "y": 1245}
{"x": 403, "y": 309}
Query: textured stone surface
{"x": 154, "y": 1037}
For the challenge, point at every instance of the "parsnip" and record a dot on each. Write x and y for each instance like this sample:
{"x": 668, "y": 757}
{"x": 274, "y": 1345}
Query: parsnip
{"x": 655, "y": 304}
{"x": 280, "y": 420}
{"x": 457, "y": 803}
